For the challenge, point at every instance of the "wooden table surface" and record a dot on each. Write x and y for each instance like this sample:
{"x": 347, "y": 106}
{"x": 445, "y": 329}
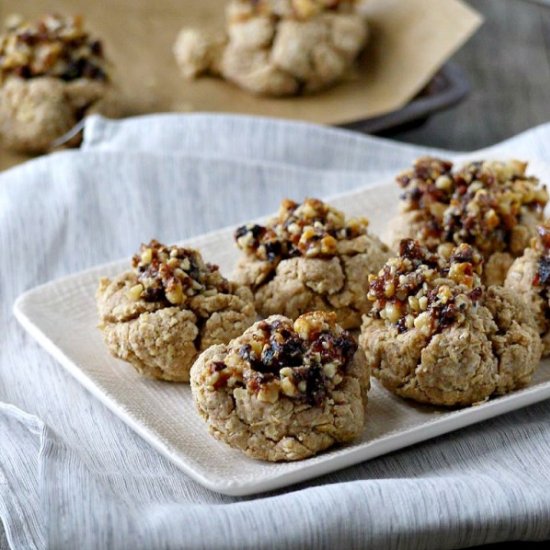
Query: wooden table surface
{"x": 508, "y": 63}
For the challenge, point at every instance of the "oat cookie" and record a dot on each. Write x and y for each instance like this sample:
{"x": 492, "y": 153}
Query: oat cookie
{"x": 168, "y": 308}
{"x": 278, "y": 47}
{"x": 52, "y": 74}
{"x": 284, "y": 390}
{"x": 310, "y": 258}
{"x": 436, "y": 335}
{"x": 529, "y": 277}
{"x": 494, "y": 206}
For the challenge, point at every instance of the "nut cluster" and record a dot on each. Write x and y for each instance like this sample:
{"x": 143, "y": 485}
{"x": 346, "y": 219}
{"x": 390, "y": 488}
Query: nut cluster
{"x": 426, "y": 291}
{"x": 296, "y": 9}
{"x": 304, "y": 359}
{"x": 311, "y": 229}
{"x": 52, "y": 46}
{"x": 479, "y": 204}
{"x": 173, "y": 274}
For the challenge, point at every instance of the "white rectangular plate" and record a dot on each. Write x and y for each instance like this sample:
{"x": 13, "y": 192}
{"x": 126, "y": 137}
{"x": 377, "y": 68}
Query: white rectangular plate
{"x": 61, "y": 315}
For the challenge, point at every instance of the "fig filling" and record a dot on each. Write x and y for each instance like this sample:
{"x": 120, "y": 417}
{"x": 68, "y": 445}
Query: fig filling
{"x": 173, "y": 274}
{"x": 302, "y": 360}
{"x": 422, "y": 290}
{"x": 52, "y": 46}
{"x": 480, "y": 204}
{"x": 311, "y": 229}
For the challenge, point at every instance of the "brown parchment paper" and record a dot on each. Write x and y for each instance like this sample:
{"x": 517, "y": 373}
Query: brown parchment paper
{"x": 410, "y": 40}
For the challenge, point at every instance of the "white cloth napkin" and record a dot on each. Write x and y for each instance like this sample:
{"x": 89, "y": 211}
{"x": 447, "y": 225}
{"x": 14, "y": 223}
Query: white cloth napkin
{"x": 74, "y": 476}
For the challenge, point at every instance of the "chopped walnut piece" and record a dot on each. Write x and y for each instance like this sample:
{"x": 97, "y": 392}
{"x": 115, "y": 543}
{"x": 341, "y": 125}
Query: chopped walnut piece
{"x": 54, "y": 46}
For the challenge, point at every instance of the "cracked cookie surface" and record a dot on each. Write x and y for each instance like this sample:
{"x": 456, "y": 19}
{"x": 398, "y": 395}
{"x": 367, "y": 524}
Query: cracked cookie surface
{"x": 284, "y": 390}
{"x": 437, "y": 336}
{"x": 310, "y": 258}
{"x": 169, "y": 308}
{"x": 494, "y": 206}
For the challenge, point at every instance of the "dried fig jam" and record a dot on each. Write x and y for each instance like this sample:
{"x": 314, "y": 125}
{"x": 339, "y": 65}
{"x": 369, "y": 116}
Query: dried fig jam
{"x": 303, "y": 359}
{"x": 480, "y": 204}
{"x": 173, "y": 274}
{"x": 54, "y": 46}
{"x": 422, "y": 290}
{"x": 311, "y": 229}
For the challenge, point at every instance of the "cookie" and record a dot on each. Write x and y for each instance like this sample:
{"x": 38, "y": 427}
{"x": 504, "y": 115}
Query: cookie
{"x": 171, "y": 306}
{"x": 278, "y": 48}
{"x": 437, "y": 336}
{"x": 52, "y": 74}
{"x": 494, "y": 206}
{"x": 529, "y": 277}
{"x": 310, "y": 258}
{"x": 284, "y": 390}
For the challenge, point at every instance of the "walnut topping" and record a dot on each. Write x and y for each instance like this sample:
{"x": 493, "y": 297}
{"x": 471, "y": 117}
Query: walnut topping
{"x": 424, "y": 290}
{"x": 302, "y": 360}
{"x": 480, "y": 204}
{"x": 52, "y": 46}
{"x": 241, "y": 10}
{"x": 311, "y": 229}
{"x": 173, "y": 274}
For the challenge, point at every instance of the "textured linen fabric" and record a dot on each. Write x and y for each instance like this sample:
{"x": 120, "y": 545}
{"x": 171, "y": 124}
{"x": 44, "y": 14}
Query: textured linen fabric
{"x": 72, "y": 475}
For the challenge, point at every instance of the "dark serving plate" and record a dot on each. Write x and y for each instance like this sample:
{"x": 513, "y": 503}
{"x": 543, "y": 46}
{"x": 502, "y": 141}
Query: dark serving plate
{"x": 447, "y": 88}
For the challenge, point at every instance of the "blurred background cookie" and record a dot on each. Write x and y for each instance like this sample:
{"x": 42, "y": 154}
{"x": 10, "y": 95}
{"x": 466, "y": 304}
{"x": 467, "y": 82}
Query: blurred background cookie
{"x": 278, "y": 47}
{"x": 52, "y": 74}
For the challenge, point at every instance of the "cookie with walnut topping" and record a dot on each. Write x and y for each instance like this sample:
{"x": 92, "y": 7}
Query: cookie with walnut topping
{"x": 494, "y": 206}
{"x": 284, "y": 390}
{"x": 171, "y": 306}
{"x": 437, "y": 336}
{"x": 52, "y": 74}
{"x": 529, "y": 277}
{"x": 310, "y": 258}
